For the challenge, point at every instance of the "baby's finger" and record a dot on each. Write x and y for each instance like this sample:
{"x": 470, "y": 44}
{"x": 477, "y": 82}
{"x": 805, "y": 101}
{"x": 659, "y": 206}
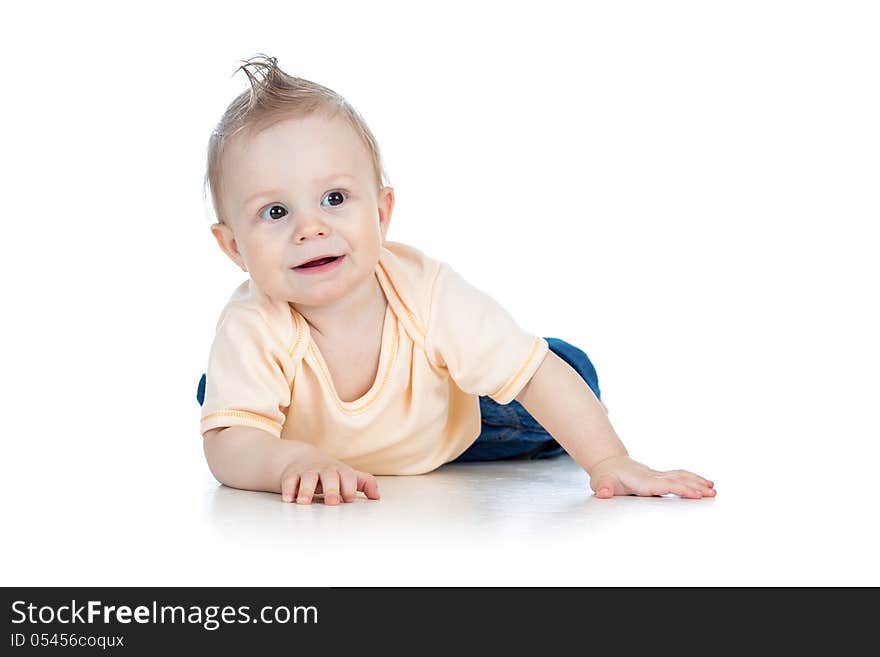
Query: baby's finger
{"x": 703, "y": 482}
{"x": 307, "y": 482}
{"x": 693, "y": 481}
{"x": 288, "y": 487}
{"x": 348, "y": 484}
{"x": 705, "y": 491}
{"x": 367, "y": 483}
{"x": 330, "y": 484}
{"x": 665, "y": 486}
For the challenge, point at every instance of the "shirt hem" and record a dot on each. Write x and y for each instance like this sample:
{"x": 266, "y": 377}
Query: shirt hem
{"x": 512, "y": 388}
{"x": 232, "y": 418}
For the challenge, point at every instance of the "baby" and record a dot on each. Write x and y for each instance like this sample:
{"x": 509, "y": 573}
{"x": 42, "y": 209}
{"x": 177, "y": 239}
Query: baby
{"x": 345, "y": 355}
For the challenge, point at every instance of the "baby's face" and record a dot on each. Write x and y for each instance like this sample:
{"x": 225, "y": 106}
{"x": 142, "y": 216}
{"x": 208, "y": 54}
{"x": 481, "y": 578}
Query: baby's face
{"x": 301, "y": 189}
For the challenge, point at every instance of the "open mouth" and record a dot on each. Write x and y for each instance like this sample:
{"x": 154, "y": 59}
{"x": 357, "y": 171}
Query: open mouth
{"x": 319, "y": 265}
{"x": 318, "y": 262}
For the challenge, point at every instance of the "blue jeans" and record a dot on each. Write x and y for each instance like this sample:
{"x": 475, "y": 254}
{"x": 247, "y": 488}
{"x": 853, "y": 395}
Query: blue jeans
{"x": 509, "y": 431}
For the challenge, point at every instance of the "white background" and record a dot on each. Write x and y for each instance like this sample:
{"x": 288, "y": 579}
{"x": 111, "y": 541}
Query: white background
{"x": 686, "y": 190}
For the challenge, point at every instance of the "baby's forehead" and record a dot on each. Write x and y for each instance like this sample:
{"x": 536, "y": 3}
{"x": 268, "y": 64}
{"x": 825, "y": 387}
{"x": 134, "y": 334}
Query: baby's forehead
{"x": 315, "y": 131}
{"x": 313, "y": 145}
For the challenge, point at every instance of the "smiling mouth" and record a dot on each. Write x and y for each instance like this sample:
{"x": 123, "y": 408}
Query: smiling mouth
{"x": 318, "y": 262}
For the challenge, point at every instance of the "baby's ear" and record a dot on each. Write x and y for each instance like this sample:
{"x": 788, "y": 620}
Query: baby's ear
{"x": 386, "y": 206}
{"x": 225, "y": 238}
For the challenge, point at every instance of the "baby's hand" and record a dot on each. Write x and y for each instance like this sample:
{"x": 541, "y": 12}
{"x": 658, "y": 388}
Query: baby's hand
{"x": 315, "y": 472}
{"x": 620, "y": 475}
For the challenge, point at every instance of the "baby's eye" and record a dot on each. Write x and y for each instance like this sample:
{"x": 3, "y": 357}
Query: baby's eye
{"x": 335, "y": 198}
{"x": 275, "y": 211}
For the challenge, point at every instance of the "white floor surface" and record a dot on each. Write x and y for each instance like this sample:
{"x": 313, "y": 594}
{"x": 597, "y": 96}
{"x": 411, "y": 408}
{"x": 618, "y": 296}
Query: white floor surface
{"x": 503, "y": 523}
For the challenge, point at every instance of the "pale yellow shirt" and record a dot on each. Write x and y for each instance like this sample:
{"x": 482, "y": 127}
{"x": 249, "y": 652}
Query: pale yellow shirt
{"x": 444, "y": 343}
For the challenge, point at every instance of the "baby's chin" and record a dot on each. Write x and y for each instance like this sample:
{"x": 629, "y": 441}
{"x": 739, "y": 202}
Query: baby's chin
{"x": 301, "y": 301}
{"x": 322, "y": 295}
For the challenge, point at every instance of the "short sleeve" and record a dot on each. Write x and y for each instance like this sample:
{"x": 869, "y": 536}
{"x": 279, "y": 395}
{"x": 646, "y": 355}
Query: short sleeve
{"x": 486, "y": 352}
{"x": 249, "y": 375}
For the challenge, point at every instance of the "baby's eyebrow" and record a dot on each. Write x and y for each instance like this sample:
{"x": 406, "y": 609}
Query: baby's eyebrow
{"x": 276, "y": 192}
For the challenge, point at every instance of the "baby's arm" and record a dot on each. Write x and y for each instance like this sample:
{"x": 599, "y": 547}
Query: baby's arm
{"x": 251, "y": 459}
{"x": 562, "y": 402}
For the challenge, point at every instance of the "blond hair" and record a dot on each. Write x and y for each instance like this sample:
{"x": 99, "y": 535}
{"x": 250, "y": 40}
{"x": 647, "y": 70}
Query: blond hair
{"x": 273, "y": 97}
